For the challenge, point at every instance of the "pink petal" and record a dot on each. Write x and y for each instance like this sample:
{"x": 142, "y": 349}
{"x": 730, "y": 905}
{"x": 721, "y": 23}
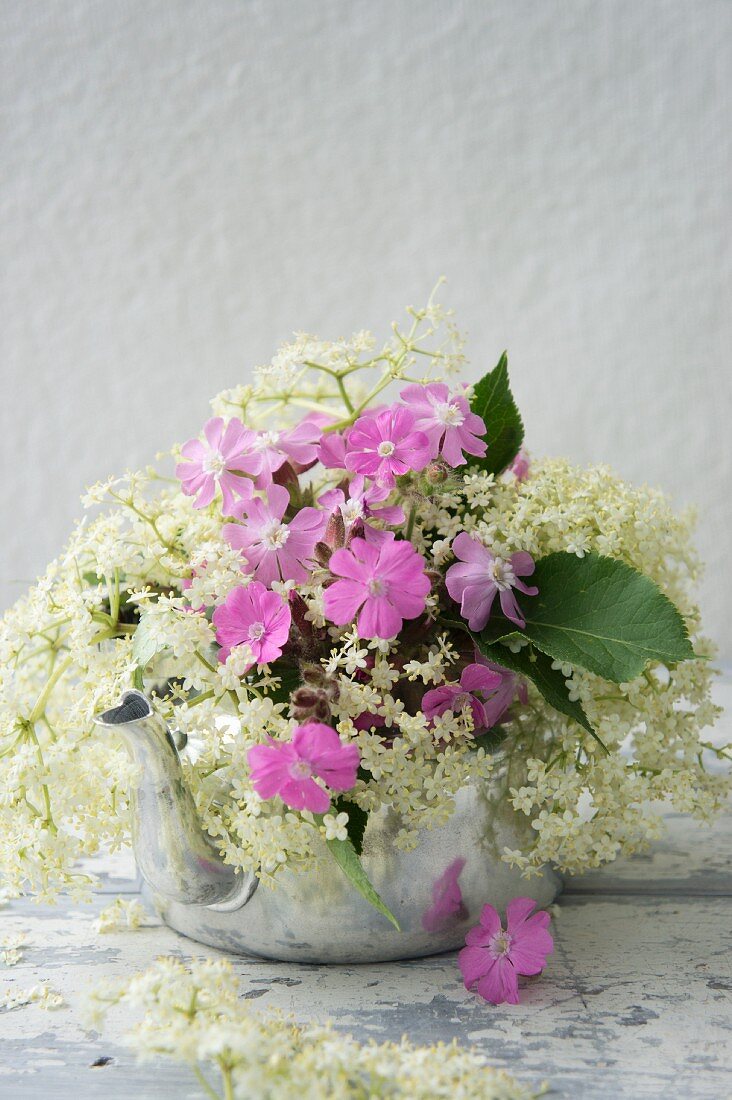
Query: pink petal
{"x": 206, "y": 493}
{"x": 194, "y": 449}
{"x": 269, "y": 767}
{"x": 490, "y": 924}
{"x": 213, "y": 430}
{"x": 468, "y": 548}
{"x": 517, "y": 912}
{"x": 510, "y": 608}
{"x": 522, "y": 564}
{"x": 313, "y": 738}
{"x": 305, "y": 794}
{"x": 332, "y": 451}
{"x": 452, "y": 450}
{"x": 474, "y": 963}
{"x": 528, "y": 953}
{"x": 345, "y": 564}
{"x": 499, "y": 984}
{"x": 379, "y": 619}
{"x": 438, "y": 700}
{"x": 342, "y": 600}
{"x": 476, "y": 606}
{"x": 480, "y": 678}
{"x": 339, "y": 770}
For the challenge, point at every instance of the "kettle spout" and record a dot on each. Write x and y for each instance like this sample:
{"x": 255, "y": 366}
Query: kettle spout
{"x": 176, "y": 858}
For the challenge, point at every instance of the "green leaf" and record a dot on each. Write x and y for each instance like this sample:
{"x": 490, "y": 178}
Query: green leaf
{"x": 493, "y": 401}
{"x": 600, "y": 614}
{"x": 345, "y": 856}
{"x": 357, "y": 821}
{"x": 144, "y": 643}
{"x": 537, "y": 667}
{"x": 290, "y": 679}
{"x": 491, "y": 740}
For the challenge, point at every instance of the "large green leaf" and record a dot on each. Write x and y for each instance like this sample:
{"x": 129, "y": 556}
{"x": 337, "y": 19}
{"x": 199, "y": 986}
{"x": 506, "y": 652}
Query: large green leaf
{"x": 357, "y": 821}
{"x": 345, "y": 856}
{"x": 599, "y": 614}
{"x": 537, "y": 667}
{"x": 493, "y": 401}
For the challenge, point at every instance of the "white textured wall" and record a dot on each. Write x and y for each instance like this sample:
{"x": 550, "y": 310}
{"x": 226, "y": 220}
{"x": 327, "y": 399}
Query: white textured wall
{"x": 184, "y": 183}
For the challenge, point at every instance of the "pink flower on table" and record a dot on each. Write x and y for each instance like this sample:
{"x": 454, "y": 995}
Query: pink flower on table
{"x": 479, "y": 576}
{"x": 291, "y": 768}
{"x": 385, "y": 581}
{"x": 447, "y": 422}
{"x": 252, "y": 615}
{"x": 268, "y": 451}
{"x": 493, "y": 958}
{"x": 359, "y": 504}
{"x": 448, "y": 907}
{"x": 274, "y": 550}
{"x": 474, "y": 679}
{"x": 217, "y": 461}
{"x": 386, "y": 445}
{"x": 511, "y": 687}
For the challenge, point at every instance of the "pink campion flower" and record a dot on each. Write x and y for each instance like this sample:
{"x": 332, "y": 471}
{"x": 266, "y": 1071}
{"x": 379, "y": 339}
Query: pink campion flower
{"x": 479, "y": 576}
{"x": 520, "y": 466}
{"x": 359, "y": 504}
{"x": 217, "y": 461}
{"x": 386, "y": 445}
{"x": 447, "y": 422}
{"x": 448, "y": 907}
{"x": 511, "y": 687}
{"x": 384, "y": 580}
{"x": 291, "y": 768}
{"x": 493, "y": 958}
{"x": 268, "y": 451}
{"x": 332, "y": 451}
{"x": 474, "y": 679}
{"x": 252, "y": 615}
{"x": 274, "y": 550}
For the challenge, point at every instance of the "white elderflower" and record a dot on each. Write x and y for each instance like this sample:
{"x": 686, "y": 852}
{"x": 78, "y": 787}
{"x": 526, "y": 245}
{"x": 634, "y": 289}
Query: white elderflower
{"x": 335, "y": 827}
{"x": 197, "y": 1016}
{"x": 122, "y": 915}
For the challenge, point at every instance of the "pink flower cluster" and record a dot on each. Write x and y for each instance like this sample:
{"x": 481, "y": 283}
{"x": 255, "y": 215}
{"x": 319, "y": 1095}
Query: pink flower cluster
{"x": 353, "y": 541}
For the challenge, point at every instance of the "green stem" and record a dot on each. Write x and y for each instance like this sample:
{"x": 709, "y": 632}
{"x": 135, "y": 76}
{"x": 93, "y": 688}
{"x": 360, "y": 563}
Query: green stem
{"x": 344, "y": 394}
{"x": 227, "y": 1083}
{"x": 40, "y": 703}
{"x": 205, "y": 1085}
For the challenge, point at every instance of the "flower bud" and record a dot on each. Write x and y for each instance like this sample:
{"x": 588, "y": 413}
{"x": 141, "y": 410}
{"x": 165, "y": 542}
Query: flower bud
{"x": 335, "y": 532}
{"x": 322, "y": 554}
{"x": 436, "y": 473}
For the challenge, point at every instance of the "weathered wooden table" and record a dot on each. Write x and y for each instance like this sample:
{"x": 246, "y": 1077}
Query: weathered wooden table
{"x": 636, "y": 1000}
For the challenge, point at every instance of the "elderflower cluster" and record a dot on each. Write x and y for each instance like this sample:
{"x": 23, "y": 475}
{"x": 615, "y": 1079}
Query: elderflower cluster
{"x": 42, "y": 995}
{"x": 196, "y": 1016}
{"x": 588, "y": 807}
{"x": 134, "y": 600}
{"x": 124, "y": 914}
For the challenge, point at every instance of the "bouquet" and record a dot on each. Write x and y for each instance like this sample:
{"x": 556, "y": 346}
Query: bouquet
{"x": 358, "y": 590}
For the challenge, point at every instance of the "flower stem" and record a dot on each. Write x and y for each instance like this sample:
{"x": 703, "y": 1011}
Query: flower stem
{"x": 205, "y": 1085}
